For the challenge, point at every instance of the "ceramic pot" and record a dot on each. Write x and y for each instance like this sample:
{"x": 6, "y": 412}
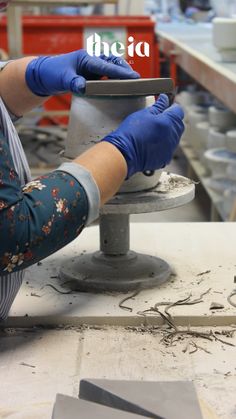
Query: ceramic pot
{"x": 224, "y": 37}
{"x": 231, "y": 140}
{"x": 218, "y": 159}
{"x": 229, "y": 200}
{"x": 186, "y": 99}
{"x": 92, "y": 118}
{"x": 202, "y": 129}
{"x": 231, "y": 171}
{"x": 195, "y": 116}
{"x": 216, "y": 139}
{"x": 221, "y": 118}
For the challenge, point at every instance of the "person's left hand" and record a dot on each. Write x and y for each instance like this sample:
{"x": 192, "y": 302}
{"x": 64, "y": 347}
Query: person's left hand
{"x": 148, "y": 138}
{"x": 46, "y": 76}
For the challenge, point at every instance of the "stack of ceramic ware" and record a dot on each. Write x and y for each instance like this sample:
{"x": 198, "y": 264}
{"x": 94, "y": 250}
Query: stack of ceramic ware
{"x": 211, "y": 133}
{"x": 197, "y": 116}
{"x": 218, "y": 160}
{"x": 230, "y": 192}
{"x": 221, "y": 155}
{"x": 221, "y": 117}
{"x": 221, "y": 141}
{"x": 195, "y": 104}
{"x": 231, "y": 147}
{"x": 231, "y": 140}
{"x": 201, "y": 134}
{"x": 229, "y": 200}
{"x": 188, "y": 98}
{"x": 216, "y": 138}
{"x": 221, "y": 120}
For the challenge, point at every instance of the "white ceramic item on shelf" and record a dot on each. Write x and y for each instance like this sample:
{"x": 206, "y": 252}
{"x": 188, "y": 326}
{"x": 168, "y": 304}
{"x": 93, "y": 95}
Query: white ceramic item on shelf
{"x": 231, "y": 171}
{"x": 187, "y": 132}
{"x": 190, "y": 109}
{"x": 216, "y": 139}
{"x": 229, "y": 201}
{"x": 218, "y": 159}
{"x": 231, "y": 140}
{"x": 224, "y": 37}
{"x": 221, "y": 118}
{"x": 202, "y": 131}
{"x": 187, "y": 99}
{"x": 220, "y": 185}
{"x": 199, "y": 114}
{"x": 191, "y": 100}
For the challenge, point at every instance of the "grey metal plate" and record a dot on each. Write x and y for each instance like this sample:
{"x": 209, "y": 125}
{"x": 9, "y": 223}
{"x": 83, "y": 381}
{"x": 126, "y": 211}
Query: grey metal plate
{"x": 136, "y": 87}
{"x": 70, "y": 408}
{"x": 170, "y": 399}
{"x": 97, "y": 272}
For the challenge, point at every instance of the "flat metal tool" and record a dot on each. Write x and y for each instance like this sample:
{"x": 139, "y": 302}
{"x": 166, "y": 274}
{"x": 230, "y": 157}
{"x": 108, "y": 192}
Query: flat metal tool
{"x": 156, "y": 400}
{"x": 136, "y": 87}
{"x": 172, "y": 95}
{"x": 71, "y": 408}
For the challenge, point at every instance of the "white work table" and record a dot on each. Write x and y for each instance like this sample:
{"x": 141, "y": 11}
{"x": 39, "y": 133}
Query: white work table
{"x": 37, "y": 363}
{"x": 190, "y": 249}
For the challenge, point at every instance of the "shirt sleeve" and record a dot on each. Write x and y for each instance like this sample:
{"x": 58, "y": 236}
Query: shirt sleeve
{"x": 87, "y": 181}
{"x": 3, "y": 64}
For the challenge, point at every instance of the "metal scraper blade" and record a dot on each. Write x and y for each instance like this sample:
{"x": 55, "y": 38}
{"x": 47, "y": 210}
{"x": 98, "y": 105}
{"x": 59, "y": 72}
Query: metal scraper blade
{"x": 137, "y": 87}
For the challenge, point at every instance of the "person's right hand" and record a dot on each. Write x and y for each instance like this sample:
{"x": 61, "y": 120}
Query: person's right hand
{"x": 47, "y": 76}
{"x": 148, "y": 138}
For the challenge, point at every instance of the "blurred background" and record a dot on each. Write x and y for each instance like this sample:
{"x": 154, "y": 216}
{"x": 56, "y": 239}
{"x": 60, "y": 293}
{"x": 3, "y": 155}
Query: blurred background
{"x": 191, "y": 41}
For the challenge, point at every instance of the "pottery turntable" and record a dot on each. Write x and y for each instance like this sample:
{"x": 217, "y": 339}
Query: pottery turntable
{"x": 115, "y": 267}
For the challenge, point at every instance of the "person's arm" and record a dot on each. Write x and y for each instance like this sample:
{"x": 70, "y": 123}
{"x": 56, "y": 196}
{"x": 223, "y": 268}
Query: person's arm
{"x": 107, "y": 166}
{"x": 26, "y": 83}
{"x": 14, "y": 91}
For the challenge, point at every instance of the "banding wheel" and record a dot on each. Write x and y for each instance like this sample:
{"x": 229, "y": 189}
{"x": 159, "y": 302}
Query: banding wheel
{"x": 115, "y": 267}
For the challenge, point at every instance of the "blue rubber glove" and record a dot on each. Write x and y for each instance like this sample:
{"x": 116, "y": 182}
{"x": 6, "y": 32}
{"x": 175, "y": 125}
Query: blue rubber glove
{"x": 148, "y": 138}
{"x": 47, "y": 76}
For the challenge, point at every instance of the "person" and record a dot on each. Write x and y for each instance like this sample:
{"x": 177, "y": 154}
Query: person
{"x": 40, "y": 216}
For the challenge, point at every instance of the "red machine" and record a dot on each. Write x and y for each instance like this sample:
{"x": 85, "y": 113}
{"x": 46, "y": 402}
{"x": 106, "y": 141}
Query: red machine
{"x": 45, "y": 35}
